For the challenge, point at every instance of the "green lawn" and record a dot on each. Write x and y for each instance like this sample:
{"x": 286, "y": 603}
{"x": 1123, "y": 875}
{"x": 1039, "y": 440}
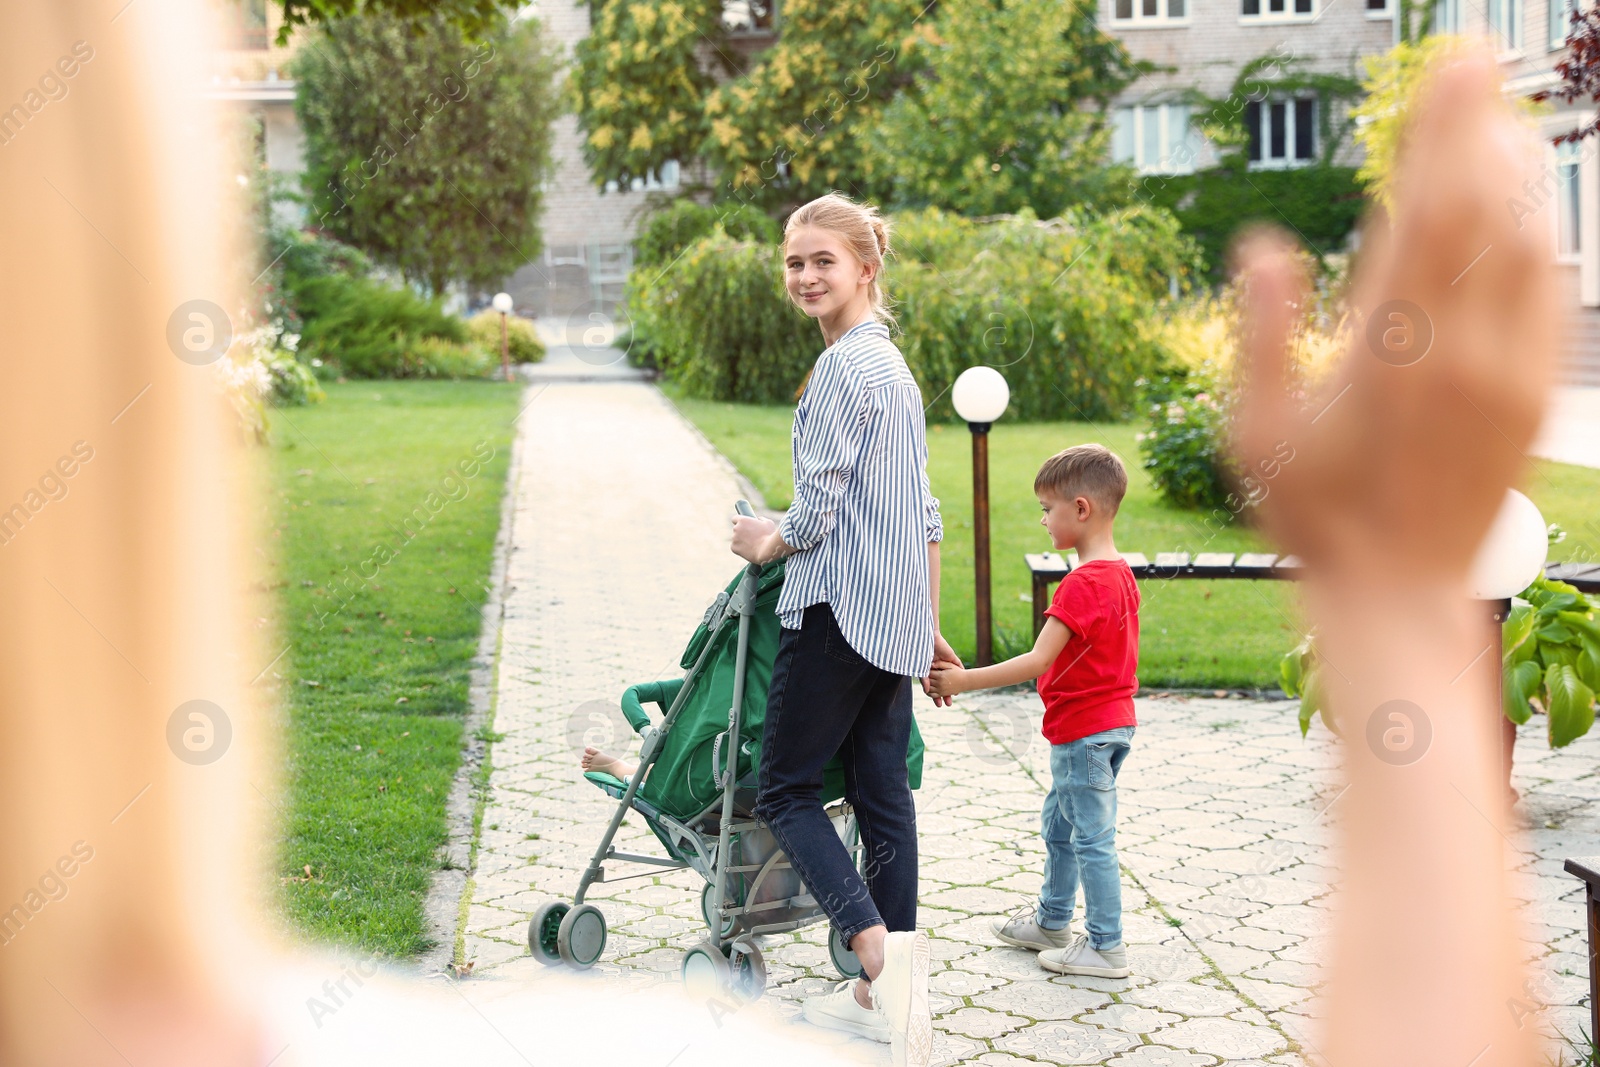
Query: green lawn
{"x": 1193, "y": 633}
{"x": 383, "y": 551}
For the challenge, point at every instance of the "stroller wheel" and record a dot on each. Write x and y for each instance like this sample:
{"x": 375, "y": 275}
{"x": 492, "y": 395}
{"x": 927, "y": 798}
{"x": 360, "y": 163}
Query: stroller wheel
{"x": 708, "y": 913}
{"x": 749, "y": 970}
{"x": 706, "y": 971}
{"x": 582, "y": 936}
{"x": 844, "y": 960}
{"x": 542, "y": 930}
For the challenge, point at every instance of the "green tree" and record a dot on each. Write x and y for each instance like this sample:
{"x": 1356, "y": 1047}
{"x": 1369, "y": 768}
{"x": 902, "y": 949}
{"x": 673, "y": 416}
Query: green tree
{"x": 1010, "y": 112}
{"x": 799, "y": 123}
{"x": 427, "y": 151}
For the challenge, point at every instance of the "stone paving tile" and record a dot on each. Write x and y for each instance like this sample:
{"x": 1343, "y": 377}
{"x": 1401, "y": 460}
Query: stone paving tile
{"x": 1226, "y": 813}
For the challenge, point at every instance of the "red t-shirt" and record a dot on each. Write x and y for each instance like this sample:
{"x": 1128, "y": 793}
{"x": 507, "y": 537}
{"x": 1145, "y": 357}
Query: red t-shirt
{"x": 1090, "y": 686}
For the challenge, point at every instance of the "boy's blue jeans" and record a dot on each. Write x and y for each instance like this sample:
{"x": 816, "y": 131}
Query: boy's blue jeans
{"x": 1080, "y": 835}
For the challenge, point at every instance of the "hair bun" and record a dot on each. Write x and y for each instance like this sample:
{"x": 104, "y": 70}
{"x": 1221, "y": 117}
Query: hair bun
{"x": 880, "y": 230}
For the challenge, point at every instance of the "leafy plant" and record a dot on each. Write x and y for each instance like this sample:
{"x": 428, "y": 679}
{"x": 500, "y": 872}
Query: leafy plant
{"x": 1550, "y": 660}
{"x": 365, "y": 329}
{"x": 1551, "y": 655}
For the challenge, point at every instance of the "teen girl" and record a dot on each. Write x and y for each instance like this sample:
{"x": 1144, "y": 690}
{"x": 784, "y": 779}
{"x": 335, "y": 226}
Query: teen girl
{"x": 860, "y": 619}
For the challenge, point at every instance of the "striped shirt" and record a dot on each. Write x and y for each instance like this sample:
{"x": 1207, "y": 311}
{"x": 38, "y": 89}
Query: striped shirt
{"x": 862, "y": 515}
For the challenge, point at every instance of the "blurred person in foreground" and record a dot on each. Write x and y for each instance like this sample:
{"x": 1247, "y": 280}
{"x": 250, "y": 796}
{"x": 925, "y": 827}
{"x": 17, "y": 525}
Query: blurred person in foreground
{"x": 125, "y": 596}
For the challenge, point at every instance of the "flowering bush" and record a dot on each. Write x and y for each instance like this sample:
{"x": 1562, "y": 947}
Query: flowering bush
{"x": 262, "y": 368}
{"x": 1185, "y": 445}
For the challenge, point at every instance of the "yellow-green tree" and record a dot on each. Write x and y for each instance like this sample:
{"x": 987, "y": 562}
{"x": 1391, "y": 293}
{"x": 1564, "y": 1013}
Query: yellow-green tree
{"x": 1011, "y": 111}
{"x": 639, "y": 85}
{"x": 800, "y": 121}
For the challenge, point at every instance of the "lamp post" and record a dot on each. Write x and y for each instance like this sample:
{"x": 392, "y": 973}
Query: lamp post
{"x": 980, "y": 396}
{"x": 503, "y": 304}
{"x": 1512, "y": 555}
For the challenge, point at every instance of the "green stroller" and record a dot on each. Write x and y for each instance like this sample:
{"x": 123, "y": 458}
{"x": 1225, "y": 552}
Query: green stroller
{"x": 695, "y": 788}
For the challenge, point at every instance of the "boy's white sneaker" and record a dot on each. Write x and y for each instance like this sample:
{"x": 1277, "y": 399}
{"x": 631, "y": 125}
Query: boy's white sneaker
{"x": 900, "y": 992}
{"x": 840, "y": 1011}
{"x": 1079, "y": 958}
{"x": 1023, "y": 930}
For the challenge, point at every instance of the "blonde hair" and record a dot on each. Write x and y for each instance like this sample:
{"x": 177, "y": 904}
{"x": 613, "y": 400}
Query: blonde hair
{"x": 863, "y": 230}
{"x": 1093, "y": 471}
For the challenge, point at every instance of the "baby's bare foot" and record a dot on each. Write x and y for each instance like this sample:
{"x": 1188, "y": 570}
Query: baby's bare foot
{"x": 595, "y": 760}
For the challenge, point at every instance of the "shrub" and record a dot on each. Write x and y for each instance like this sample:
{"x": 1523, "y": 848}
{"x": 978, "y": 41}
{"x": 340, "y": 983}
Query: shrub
{"x": 720, "y": 324}
{"x": 1057, "y": 307}
{"x": 967, "y": 292}
{"x": 522, "y": 340}
{"x": 366, "y": 329}
{"x": 683, "y": 222}
{"x": 438, "y": 357}
{"x": 1184, "y": 446}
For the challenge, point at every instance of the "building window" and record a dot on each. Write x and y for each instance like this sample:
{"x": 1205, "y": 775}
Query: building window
{"x": 667, "y": 179}
{"x": 1276, "y": 9}
{"x": 1568, "y": 235}
{"x": 1283, "y": 133}
{"x": 1447, "y": 16}
{"x": 1155, "y": 138}
{"x": 1505, "y": 24}
{"x": 1560, "y": 21}
{"x": 1377, "y": 8}
{"x": 1135, "y": 12}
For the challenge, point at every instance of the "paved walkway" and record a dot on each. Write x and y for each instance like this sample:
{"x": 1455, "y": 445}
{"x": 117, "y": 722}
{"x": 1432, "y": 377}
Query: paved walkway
{"x": 621, "y": 541}
{"x": 1571, "y": 432}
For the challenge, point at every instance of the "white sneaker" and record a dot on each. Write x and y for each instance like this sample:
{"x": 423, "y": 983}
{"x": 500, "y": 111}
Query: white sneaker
{"x": 1023, "y": 930}
{"x": 901, "y": 993}
{"x": 1079, "y": 958}
{"x": 839, "y": 1011}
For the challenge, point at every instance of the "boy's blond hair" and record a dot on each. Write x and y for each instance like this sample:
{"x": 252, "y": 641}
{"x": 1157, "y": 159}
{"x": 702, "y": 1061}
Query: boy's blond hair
{"x": 1093, "y": 471}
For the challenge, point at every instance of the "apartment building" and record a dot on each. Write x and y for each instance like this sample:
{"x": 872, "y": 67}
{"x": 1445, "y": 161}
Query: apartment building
{"x": 1203, "y": 44}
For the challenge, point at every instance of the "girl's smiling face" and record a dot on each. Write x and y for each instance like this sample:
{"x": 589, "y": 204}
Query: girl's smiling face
{"x": 823, "y": 276}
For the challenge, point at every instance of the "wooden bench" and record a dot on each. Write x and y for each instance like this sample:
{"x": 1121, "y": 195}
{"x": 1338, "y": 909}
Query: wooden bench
{"x": 1589, "y": 870}
{"x": 1048, "y": 568}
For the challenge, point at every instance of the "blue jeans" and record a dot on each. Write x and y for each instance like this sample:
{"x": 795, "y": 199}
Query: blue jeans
{"x": 826, "y": 699}
{"x": 1080, "y": 835}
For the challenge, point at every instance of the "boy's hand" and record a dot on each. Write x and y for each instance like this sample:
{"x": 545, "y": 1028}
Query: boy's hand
{"x": 945, "y": 681}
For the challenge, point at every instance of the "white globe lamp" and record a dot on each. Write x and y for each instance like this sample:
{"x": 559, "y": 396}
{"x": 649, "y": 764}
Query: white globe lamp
{"x": 503, "y": 303}
{"x": 980, "y": 395}
{"x": 1512, "y": 553}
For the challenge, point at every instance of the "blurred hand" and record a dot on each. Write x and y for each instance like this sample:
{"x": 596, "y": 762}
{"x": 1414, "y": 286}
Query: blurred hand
{"x": 1400, "y": 464}
{"x": 753, "y": 538}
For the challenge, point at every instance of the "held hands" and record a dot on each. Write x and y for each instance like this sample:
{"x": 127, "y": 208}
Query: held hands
{"x": 754, "y": 539}
{"x": 946, "y": 680}
{"x": 944, "y": 659}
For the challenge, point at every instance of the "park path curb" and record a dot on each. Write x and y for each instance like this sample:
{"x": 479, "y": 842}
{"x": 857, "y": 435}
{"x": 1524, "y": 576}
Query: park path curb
{"x": 442, "y": 910}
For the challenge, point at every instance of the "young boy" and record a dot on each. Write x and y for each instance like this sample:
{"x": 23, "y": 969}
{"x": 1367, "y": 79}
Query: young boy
{"x": 1084, "y": 659}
